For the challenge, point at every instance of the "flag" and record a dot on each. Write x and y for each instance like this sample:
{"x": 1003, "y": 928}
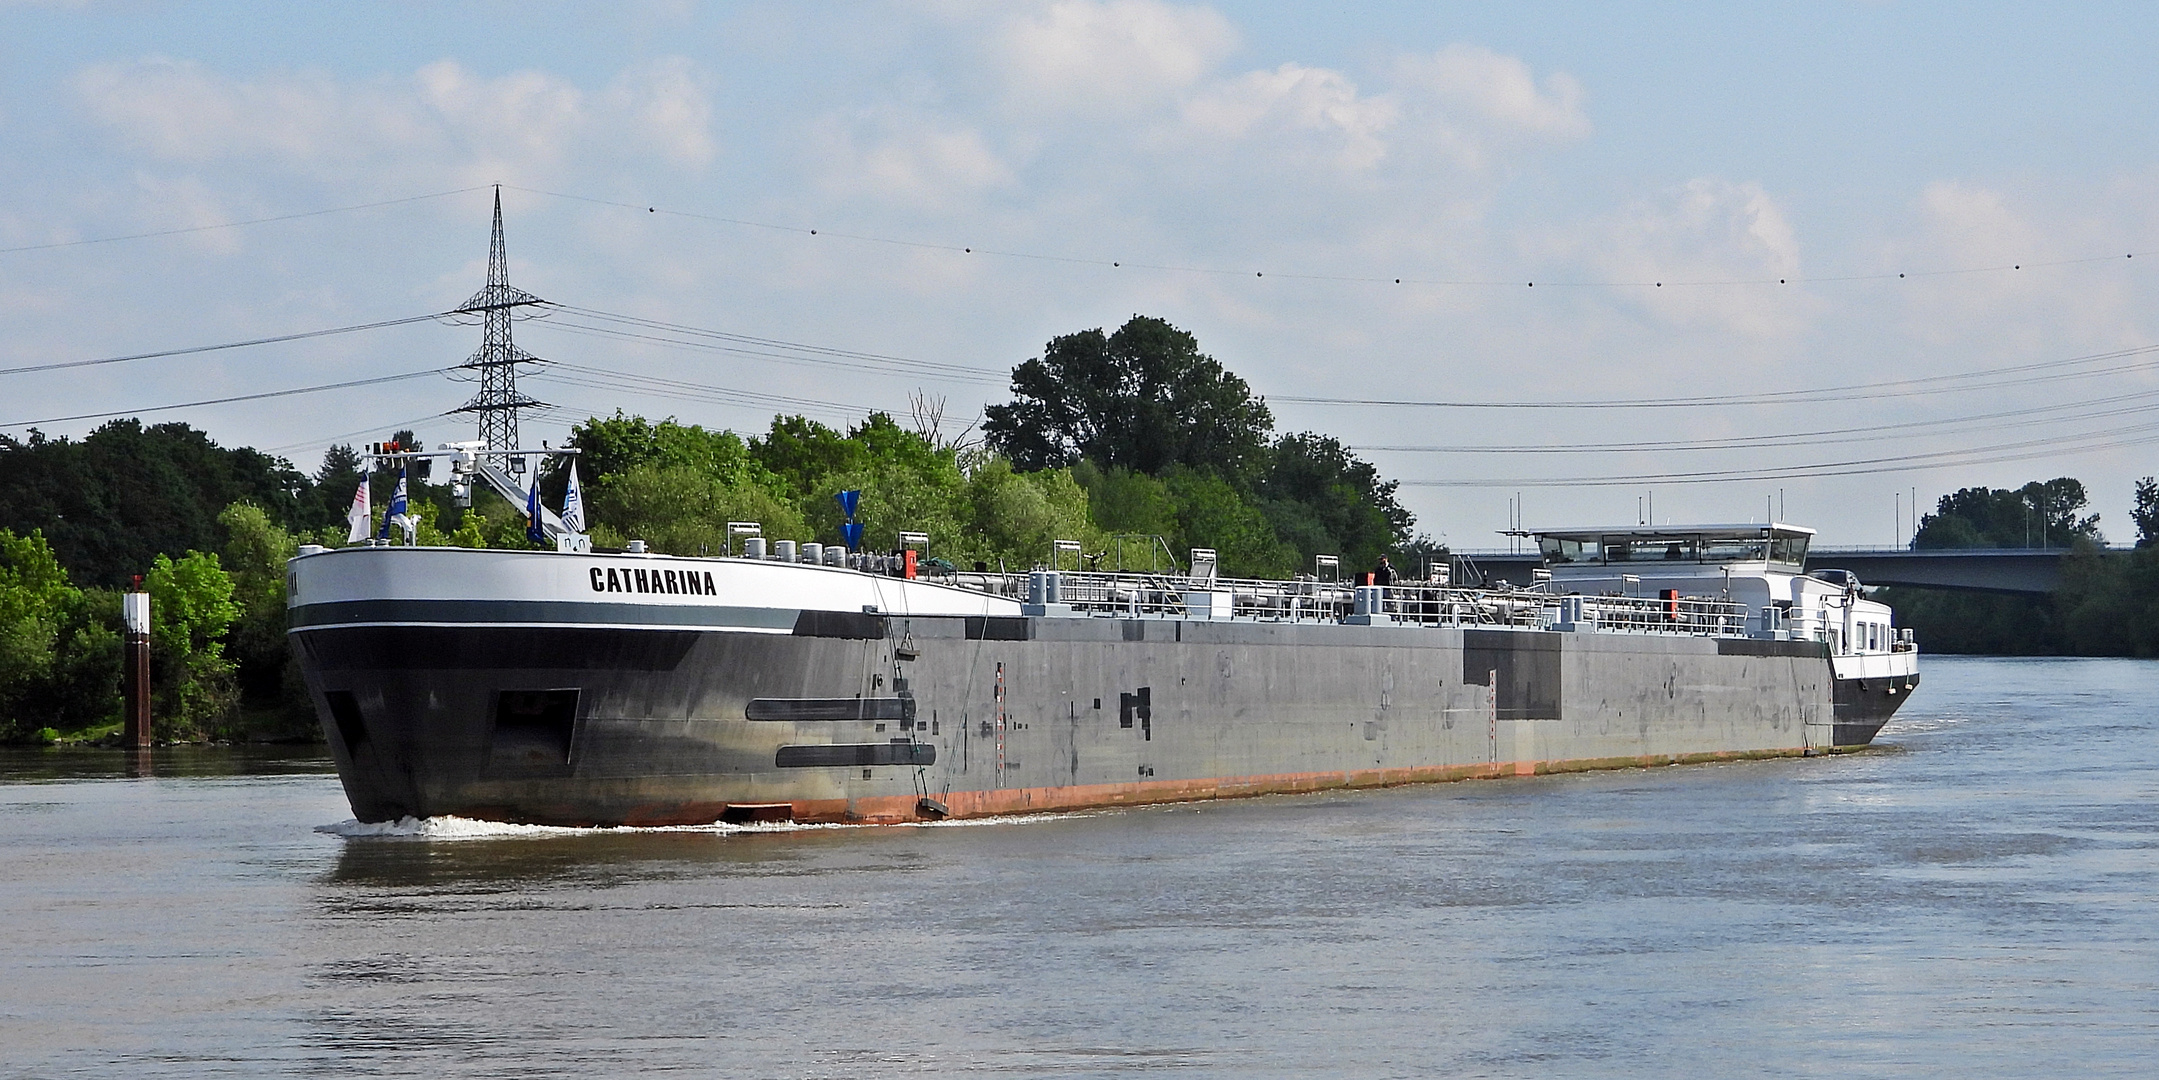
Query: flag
{"x": 573, "y": 503}
{"x": 396, "y": 514}
{"x": 533, "y": 531}
{"x": 360, "y": 520}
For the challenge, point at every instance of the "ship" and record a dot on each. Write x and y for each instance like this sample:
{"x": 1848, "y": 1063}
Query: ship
{"x": 814, "y": 683}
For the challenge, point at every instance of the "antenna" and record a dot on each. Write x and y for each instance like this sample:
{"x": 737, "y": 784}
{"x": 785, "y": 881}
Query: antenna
{"x": 498, "y": 399}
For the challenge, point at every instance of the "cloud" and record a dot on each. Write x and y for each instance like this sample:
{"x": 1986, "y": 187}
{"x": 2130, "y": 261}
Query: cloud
{"x": 1695, "y": 238}
{"x": 1161, "y": 71}
{"x": 1073, "y": 55}
{"x": 440, "y": 118}
{"x": 1294, "y": 100}
{"x": 669, "y": 102}
{"x": 2041, "y": 308}
{"x": 188, "y": 203}
{"x": 1499, "y": 91}
{"x": 1474, "y": 106}
{"x": 903, "y": 156}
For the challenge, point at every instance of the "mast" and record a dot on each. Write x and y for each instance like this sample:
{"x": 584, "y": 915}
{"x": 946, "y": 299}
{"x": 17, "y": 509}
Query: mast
{"x": 497, "y": 359}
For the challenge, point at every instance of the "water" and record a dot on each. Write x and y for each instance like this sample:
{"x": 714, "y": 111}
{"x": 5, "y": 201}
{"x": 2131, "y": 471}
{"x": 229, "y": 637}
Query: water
{"x": 1979, "y": 901}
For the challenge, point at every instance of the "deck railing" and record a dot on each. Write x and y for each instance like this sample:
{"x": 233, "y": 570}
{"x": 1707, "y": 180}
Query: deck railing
{"x": 1307, "y": 600}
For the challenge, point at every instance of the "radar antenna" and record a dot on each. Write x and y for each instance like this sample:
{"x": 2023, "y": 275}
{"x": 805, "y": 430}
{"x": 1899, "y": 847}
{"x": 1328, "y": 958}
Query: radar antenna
{"x": 498, "y": 399}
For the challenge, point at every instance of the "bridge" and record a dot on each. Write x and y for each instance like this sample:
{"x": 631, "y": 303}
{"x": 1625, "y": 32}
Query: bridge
{"x": 1993, "y": 570}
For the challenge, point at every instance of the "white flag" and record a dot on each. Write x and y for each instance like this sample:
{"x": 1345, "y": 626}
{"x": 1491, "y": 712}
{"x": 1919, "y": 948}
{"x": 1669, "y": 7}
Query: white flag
{"x": 573, "y": 503}
{"x": 360, "y": 519}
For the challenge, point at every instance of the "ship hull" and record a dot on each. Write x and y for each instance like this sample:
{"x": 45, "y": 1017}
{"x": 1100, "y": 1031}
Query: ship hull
{"x": 575, "y": 726}
{"x": 518, "y": 687}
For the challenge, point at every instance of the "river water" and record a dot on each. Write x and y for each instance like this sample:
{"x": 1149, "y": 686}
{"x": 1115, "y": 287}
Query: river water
{"x": 1980, "y": 899}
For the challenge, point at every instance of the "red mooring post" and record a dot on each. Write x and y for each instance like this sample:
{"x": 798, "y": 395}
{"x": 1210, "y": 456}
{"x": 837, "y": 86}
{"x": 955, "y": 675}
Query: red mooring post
{"x": 135, "y": 669}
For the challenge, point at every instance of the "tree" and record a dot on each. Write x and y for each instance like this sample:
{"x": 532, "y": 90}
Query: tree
{"x": 191, "y": 609}
{"x": 256, "y": 550}
{"x": 1324, "y": 500}
{"x": 1144, "y": 398}
{"x": 59, "y": 646}
{"x": 803, "y": 452}
{"x": 613, "y": 446}
{"x": 1122, "y": 501}
{"x": 681, "y": 510}
{"x": 111, "y": 502}
{"x": 1016, "y": 516}
{"x": 2146, "y": 514}
{"x": 334, "y": 483}
{"x": 1213, "y": 513}
{"x": 2035, "y": 515}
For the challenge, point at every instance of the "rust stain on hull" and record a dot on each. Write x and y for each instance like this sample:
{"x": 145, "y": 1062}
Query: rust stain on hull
{"x": 903, "y": 809}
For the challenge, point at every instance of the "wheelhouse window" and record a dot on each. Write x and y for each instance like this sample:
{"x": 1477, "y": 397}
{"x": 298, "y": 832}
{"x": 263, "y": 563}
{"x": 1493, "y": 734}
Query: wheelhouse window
{"x": 1725, "y": 549}
{"x": 1563, "y": 551}
{"x": 1651, "y": 549}
{"x": 1789, "y": 550}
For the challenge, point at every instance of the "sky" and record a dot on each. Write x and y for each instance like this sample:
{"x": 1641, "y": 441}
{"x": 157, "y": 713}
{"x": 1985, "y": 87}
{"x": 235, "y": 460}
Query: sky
{"x": 1539, "y": 262}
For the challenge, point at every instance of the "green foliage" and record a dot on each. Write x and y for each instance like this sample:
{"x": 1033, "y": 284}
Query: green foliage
{"x": 1212, "y": 513}
{"x": 111, "y": 502}
{"x": 2109, "y": 601}
{"x": 1168, "y": 443}
{"x": 2146, "y": 513}
{"x": 1122, "y": 501}
{"x": 1323, "y": 500}
{"x": 1016, "y": 516}
{"x": 2096, "y": 613}
{"x": 1990, "y": 624}
{"x": 2108, "y": 605}
{"x": 269, "y": 679}
{"x": 920, "y": 495}
{"x": 804, "y": 453}
{"x": 907, "y": 484}
{"x": 674, "y": 486}
{"x": 681, "y": 510}
{"x": 612, "y": 447}
{"x": 59, "y": 661}
{"x": 1144, "y": 398}
{"x": 2035, "y": 515}
{"x": 194, "y": 689}
{"x": 471, "y": 531}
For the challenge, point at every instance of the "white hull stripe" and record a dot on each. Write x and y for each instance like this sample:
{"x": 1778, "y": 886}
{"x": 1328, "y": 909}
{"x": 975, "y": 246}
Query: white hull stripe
{"x": 539, "y": 613}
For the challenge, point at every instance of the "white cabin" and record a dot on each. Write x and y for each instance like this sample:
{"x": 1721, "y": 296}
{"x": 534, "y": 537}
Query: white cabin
{"x": 1761, "y": 566}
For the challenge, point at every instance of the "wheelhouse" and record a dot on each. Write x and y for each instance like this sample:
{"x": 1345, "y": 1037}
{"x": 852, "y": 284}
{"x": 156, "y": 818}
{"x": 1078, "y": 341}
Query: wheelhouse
{"x": 1772, "y": 548}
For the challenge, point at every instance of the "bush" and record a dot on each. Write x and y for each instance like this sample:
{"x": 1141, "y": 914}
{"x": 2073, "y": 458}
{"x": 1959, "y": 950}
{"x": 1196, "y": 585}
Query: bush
{"x": 194, "y": 685}
{"x": 59, "y": 646}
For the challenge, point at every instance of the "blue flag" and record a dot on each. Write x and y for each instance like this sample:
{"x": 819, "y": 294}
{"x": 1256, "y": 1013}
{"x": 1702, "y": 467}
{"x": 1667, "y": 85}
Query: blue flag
{"x": 848, "y": 501}
{"x": 533, "y": 531}
{"x": 852, "y": 533}
{"x": 397, "y": 506}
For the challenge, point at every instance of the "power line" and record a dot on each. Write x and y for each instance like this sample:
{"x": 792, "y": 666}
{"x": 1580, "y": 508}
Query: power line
{"x": 762, "y": 347}
{"x": 234, "y": 224}
{"x": 608, "y": 379}
{"x": 193, "y": 349}
{"x": 1361, "y": 279}
{"x": 2134, "y": 435}
{"x": 227, "y": 400}
{"x": 2008, "y": 418}
{"x": 1933, "y": 384}
{"x": 314, "y": 441}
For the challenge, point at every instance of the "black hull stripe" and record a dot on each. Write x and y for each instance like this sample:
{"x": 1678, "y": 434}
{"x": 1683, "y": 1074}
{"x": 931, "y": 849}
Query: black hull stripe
{"x": 828, "y": 709}
{"x": 540, "y": 612}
